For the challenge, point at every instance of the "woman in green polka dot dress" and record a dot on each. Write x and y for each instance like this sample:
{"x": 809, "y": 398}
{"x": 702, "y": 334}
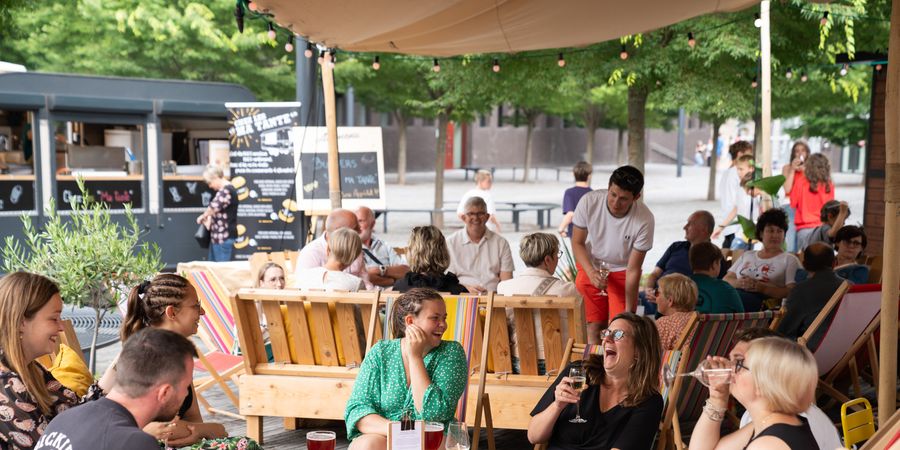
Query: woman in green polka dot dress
{"x": 417, "y": 373}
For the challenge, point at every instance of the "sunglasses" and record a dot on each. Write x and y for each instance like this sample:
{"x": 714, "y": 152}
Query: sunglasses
{"x": 617, "y": 335}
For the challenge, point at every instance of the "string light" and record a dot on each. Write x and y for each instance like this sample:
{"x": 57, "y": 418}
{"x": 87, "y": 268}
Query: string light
{"x": 239, "y": 17}
{"x": 757, "y": 21}
{"x": 824, "y": 20}
{"x": 321, "y": 59}
{"x": 252, "y": 6}
{"x": 789, "y": 74}
{"x": 754, "y": 83}
{"x": 496, "y": 67}
{"x": 436, "y": 67}
{"x": 624, "y": 53}
{"x": 878, "y": 67}
{"x": 844, "y": 69}
{"x": 561, "y": 61}
{"x": 377, "y": 63}
{"x": 308, "y": 53}
{"x": 804, "y": 77}
{"x": 289, "y": 47}
{"x": 271, "y": 32}
{"x": 691, "y": 41}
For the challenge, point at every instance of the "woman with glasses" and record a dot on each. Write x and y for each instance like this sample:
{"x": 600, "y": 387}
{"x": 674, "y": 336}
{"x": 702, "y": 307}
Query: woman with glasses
{"x": 850, "y": 243}
{"x": 775, "y": 381}
{"x": 620, "y": 405}
{"x": 429, "y": 258}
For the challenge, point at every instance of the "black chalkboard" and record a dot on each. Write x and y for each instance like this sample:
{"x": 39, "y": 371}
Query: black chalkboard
{"x": 115, "y": 193}
{"x": 186, "y": 194}
{"x": 16, "y": 195}
{"x": 359, "y": 176}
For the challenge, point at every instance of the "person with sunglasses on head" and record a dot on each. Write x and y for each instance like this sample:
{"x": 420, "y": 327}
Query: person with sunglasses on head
{"x": 611, "y": 229}
{"x": 480, "y": 257}
{"x": 621, "y": 404}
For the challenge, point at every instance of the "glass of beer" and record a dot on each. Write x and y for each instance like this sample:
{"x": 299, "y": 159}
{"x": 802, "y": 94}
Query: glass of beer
{"x": 320, "y": 440}
{"x": 434, "y": 435}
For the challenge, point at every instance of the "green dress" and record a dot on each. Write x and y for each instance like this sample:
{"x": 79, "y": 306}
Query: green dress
{"x": 381, "y": 388}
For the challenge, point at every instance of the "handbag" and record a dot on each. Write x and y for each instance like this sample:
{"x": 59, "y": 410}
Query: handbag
{"x": 202, "y": 236}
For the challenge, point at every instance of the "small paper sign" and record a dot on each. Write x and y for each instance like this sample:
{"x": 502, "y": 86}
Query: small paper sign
{"x": 401, "y": 439}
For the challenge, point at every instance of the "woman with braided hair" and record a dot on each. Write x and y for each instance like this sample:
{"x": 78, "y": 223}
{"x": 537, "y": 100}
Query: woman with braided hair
{"x": 169, "y": 302}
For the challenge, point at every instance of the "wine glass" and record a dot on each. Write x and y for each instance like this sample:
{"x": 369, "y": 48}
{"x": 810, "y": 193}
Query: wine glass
{"x": 457, "y": 436}
{"x": 579, "y": 383}
{"x": 704, "y": 373}
{"x": 604, "y": 274}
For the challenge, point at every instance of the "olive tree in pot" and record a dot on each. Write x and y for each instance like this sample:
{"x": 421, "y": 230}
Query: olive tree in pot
{"x": 94, "y": 260}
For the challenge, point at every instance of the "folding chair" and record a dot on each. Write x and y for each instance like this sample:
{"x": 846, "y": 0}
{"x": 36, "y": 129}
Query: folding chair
{"x": 857, "y": 426}
{"x": 217, "y": 331}
{"x": 887, "y": 437}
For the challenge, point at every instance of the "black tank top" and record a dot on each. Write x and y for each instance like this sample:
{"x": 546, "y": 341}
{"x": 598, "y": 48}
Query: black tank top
{"x": 795, "y": 436}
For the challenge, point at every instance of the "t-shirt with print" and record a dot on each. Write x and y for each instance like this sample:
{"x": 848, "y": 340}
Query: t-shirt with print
{"x": 98, "y": 425}
{"x": 611, "y": 239}
{"x": 780, "y": 270}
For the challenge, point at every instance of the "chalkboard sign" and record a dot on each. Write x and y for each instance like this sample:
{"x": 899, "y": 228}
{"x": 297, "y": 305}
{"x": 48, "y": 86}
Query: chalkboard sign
{"x": 115, "y": 193}
{"x": 359, "y": 176}
{"x": 16, "y": 195}
{"x": 186, "y": 194}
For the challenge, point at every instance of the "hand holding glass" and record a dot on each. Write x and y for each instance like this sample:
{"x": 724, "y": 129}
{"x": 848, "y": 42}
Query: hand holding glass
{"x": 603, "y": 270}
{"x": 705, "y": 373}
{"x": 579, "y": 382}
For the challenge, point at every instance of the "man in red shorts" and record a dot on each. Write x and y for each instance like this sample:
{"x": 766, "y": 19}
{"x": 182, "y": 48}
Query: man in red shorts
{"x": 611, "y": 227}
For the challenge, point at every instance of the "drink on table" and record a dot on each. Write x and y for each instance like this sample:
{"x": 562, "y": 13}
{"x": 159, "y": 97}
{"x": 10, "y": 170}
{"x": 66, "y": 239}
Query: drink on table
{"x": 320, "y": 440}
{"x": 434, "y": 435}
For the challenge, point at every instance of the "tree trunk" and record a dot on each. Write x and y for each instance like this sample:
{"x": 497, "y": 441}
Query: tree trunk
{"x": 440, "y": 155}
{"x": 401, "y": 147}
{"x": 713, "y": 160}
{"x": 621, "y": 156}
{"x": 637, "y": 108}
{"x": 529, "y": 144}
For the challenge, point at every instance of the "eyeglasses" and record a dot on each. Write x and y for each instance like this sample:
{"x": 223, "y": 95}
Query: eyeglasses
{"x": 739, "y": 364}
{"x": 617, "y": 335}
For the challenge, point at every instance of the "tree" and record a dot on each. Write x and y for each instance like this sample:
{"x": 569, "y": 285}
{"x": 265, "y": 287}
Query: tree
{"x": 93, "y": 260}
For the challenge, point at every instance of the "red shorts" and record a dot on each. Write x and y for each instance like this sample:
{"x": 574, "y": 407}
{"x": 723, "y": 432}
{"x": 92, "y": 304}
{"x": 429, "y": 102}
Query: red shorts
{"x": 600, "y": 308}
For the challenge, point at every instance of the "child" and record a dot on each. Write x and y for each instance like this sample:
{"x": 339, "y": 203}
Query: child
{"x": 582, "y": 172}
{"x": 750, "y": 206}
{"x": 676, "y": 300}
{"x": 344, "y": 246}
{"x": 730, "y": 186}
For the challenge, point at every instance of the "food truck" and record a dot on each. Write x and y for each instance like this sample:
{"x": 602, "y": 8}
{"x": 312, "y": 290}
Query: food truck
{"x": 138, "y": 141}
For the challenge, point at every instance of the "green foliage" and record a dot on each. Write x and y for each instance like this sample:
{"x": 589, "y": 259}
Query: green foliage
{"x": 389, "y": 89}
{"x": 178, "y": 39}
{"x": 93, "y": 259}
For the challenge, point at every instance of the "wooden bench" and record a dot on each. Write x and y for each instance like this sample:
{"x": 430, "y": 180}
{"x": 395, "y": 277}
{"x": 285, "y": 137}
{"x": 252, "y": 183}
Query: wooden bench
{"x": 313, "y": 384}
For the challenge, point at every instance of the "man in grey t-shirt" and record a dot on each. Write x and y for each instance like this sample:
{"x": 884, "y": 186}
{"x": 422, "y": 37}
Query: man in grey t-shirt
{"x": 153, "y": 375}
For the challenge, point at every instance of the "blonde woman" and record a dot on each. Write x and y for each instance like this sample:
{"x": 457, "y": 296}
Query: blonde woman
{"x": 344, "y": 246}
{"x": 676, "y": 300}
{"x": 270, "y": 276}
{"x": 221, "y": 215}
{"x": 30, "y": 397}
{"x": 429, "y": 258}
{"x": 775, "y": 381}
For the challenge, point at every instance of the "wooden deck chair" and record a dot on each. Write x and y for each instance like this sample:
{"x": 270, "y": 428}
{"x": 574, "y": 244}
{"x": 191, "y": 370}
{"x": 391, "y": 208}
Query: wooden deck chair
{"x": 856, "y": 317}
{"x": 306, "y": 378}
{"x": 888, "y": 435}
{"x": 706, "y": 334}
{"x": 218, "y": 332}
{"x": 857, "y": 426}
{"x": 819, "y": 322}
{"x": 463, "y": 326}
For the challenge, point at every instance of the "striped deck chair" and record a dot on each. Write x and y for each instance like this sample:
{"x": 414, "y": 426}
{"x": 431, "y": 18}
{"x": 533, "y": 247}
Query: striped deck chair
{"x": 707, "y": 334}
{"x": 217, "y": 331}
{"x": 463, "y": 326}
{"x": 856, "y": 318}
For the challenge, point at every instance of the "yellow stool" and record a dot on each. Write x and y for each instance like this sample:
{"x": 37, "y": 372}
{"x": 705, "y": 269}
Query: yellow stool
{"x": 858, "y": 426}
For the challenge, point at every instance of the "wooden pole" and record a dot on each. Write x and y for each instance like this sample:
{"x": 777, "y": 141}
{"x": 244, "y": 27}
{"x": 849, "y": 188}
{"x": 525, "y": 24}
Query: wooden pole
{"x": 334, "y": 173}
{"x": 890, "y": 290}
{"x": 765, "y": 44}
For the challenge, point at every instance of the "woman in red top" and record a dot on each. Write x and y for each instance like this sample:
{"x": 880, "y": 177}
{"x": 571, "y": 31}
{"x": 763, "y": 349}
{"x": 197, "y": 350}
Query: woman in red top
{"x": 799, "y": 154}
{"x": 810, "y": 190}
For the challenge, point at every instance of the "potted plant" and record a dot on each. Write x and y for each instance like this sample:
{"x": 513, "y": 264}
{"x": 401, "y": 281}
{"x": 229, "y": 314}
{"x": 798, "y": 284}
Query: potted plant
{"x": 94, "y": 260}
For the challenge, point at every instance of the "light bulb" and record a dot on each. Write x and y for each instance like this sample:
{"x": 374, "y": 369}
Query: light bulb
{"x": 289, "y": 46}
{"x": 377, "y": 63}
{"x": 436, "y": 67}
{"x": 561, "y": 62}
{"x": 252, "y": 6}
{"x": 754, "y": 83}
{"x": 271, "y": 32}
{"x": 308, "y": 52}
{"x": 496, "y": 67}
{"x": 321, "y": 59}
{"x": 757, "y": 21}
{"x": 804, "y": 77}
{"x": 824, "y": 20}
{"x": 691, "y": 41}
{"x": 878, "y": 67}
{"x": 624, "y": 53}
{"x": 844, "y": 69}
{"x": 789, "y": 74}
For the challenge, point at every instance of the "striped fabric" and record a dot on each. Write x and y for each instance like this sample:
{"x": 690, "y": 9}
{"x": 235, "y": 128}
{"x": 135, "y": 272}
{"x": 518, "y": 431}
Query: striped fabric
{"x": 670, "y": 359}
{"x": 594, "y": 349}
{"x": 218, "y": 322}
{"x": 712, "y": 336}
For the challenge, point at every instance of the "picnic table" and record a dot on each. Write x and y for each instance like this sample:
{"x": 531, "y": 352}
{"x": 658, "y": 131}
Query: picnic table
{"x": 83, "y": 321}
{"x": 543, "y": 211}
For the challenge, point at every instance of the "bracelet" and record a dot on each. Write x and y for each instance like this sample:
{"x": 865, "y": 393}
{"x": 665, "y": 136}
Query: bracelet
{"x": 714, "y": 414}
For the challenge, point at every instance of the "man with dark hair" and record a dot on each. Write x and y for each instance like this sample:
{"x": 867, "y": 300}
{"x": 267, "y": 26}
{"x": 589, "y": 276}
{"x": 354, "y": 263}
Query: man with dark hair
{"x": 822, "y": 429}
{"x": 572, "y": 196}
{"x": 730, "y": 190}
{"x": 153, "y": 375}
{"x": 714, "y": 296}
{"x": 809, "y": 297}
{"x": 620, "y": 232}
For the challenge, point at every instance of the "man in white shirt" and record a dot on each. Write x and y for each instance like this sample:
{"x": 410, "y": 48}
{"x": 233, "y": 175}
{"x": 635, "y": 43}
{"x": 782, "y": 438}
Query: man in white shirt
{"x": 478, "y": 256}
{"x": 315, "y": 254}
{"x": 611, "y": 230}
{"x": 483, "y": 183}
{"x": 730, "y": 191}
{"x": 383, "y": 264}
{"x": 825, "y": 433}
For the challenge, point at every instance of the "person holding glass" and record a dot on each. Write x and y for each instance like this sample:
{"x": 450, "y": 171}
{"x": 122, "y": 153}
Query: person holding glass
{"x": 620, "y": 401}
{"x": 775, "y": 381}
{"x": 417, "y": 375}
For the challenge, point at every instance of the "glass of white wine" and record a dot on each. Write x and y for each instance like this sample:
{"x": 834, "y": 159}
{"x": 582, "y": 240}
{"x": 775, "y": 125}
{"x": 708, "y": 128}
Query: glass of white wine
{"x": 579, "y": 383}
{"x": 604, "y": 274}
{"x": 704, "y": 373}
{"x": 457, "y": 436}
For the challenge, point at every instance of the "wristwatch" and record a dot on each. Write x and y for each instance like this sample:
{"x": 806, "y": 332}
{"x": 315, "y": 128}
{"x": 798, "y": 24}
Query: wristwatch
{"x": 381, "y": 270}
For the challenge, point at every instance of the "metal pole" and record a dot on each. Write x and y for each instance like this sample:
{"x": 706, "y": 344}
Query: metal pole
{"x": 766, "y": 85}
{"x": 350, "y": 106}
{"x": 306, "y": 83}
{"x": 679, "y": 151}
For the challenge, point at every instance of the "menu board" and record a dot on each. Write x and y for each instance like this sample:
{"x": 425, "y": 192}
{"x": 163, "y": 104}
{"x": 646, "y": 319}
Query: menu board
{"x": 361, "y": 168}
{"x": 262, "y": 172}
{"x": 115, "y": 193}
{"x": 16, "y": 195}
{"x": 178, "y": 193}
